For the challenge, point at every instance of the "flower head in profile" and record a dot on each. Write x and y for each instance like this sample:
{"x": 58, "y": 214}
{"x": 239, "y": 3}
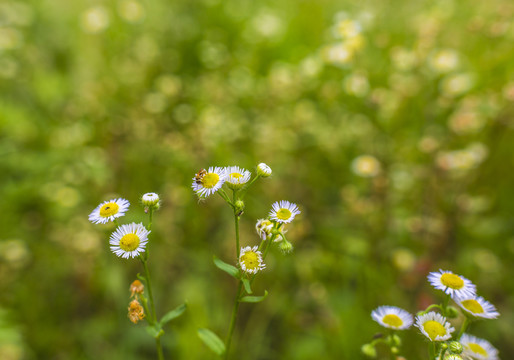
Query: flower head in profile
{"x": 135, "y": 311}
{"x": 452, "y": 284}
{"x": 283, "y": 211}
{"x": 250, "y": 260}
{"x": 263, "y": 170}
{"x": 108, "y": 211}
{"x": 128, "y": 241}
{"x": 207, "y": 182}
{"x": 476, "y": 306}
{"x": 479, "y": 349}
{"x": 392, "y": 317}
{"x": 434, "y": 326}
{"x": 237, "y": 177}
{"x": 263, "y": 228}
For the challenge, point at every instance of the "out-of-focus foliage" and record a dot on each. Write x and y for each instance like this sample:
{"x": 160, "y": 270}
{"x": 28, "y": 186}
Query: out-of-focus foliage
{"x": 389, "y": 122}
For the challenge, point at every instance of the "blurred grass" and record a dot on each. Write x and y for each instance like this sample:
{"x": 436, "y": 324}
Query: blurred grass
{"x": 118, "y": 98}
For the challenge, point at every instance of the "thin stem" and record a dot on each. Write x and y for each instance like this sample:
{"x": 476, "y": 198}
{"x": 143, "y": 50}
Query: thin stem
{"x": 225, "y": 197}
{"x": 150, "y": 216}
{"x": 463, "y": 328}
{"x": 243, "y": 191}
{"x": 431, "y": 307}
{"x": 159, "y": 348}
{"x": 236, "y": 219}
{"x": 153, "y": 315}
{"x": 233, "y": 319}
{"x": 431, "y": 350}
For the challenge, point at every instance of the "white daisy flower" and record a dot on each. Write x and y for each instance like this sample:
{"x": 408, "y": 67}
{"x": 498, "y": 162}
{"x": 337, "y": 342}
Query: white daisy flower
{"x": 150, "y": 199}
{"x": 263, "y": 228}
{"x": 477, "y": 348}
{"x": 263, "y": 170}
{"x": 283, "y": 211}
{"x": 109, "y": 210}
{"x": 452, "y": 357}
{"x": 250, "y": 260}
{"x": 128, "y": 241}
{"x": 478, "y": 307}
{"x": 392, "y": 317}
{"x": 452, "y": 284}
{"x": 434, "y": 326}
{"x": 237, "y": 177}
{"x": 207, "y": 182}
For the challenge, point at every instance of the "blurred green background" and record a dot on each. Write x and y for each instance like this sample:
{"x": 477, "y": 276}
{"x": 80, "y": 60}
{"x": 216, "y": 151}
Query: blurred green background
{"x": 389, "y": 122}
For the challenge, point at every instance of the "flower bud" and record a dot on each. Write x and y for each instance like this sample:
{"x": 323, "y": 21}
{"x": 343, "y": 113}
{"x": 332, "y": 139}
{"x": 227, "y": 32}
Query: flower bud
{"x": 263, "y": 170}
{"x": 240, "y": 207}
{"x": 395, "y": 350}
{"x": 285, "y": 246}
{"x": 456, "y": 347}
{"x": 396, "y": 340}
{"x": 369, "y": 350}
{"x": 151, "y": 200}
{"x": 451, "y": 312}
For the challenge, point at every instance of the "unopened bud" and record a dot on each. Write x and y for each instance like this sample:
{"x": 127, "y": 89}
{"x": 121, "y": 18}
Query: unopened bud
{"x": 456, "y": 347}
{"x": 396, "y": 340}
{"x": 151, "y": 200}
{"x": 263, "y": 170}
{"x": 451, "y": 312}
{"x": 285, "y": 246}
{"x": 240, "y": 207}
{"x": 395, "y": 350}
{"x": 369, "y": 350}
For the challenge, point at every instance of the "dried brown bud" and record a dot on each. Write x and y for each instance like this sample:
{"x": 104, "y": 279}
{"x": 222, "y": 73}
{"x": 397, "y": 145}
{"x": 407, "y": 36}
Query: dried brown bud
{"x": 135, "y": 311}
{"x": 136, "y": 287}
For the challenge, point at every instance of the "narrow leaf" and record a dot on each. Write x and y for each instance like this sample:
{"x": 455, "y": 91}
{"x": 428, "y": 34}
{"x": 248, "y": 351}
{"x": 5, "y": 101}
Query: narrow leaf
{"x": 247, "y": 286}
{"x": 212, "y": 341}
{"x": 229, "y": 269}
{"x": 175, "y": 313}
{"x": 254, "y": 299}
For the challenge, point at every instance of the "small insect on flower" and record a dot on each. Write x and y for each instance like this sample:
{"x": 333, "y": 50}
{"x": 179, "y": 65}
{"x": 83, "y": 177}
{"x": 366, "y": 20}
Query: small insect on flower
{"x": 108, "y": 211}
{"x": 452, "y": 284}
{"x": 476, "y": 306}
{"x": 206, "y": 183}
{"x": 283, "y": 211}
{"x": 392, "y": 317}
{"x": 128, "y": 241}
{"x": 199, "y": 176}
{"x": 250, "y": 260}
{"x": 479, "y": 349}
{"x": 135, "y": 311}
{"x": 434, "y": 326}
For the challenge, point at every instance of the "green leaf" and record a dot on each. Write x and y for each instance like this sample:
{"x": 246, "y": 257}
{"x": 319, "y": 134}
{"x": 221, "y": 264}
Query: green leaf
{"x": 246, "y": 283}
{"x": 254, "y": 299}
{"x": 212, "y": 341}
{"x": 154, "y": 331}
{"x": 229, "y": 269}
{"x": 175, "y": 313}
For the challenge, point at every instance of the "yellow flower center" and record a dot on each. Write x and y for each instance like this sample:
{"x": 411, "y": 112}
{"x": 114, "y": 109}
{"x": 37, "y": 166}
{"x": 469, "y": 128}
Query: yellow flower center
{"x": 109, "y": 209}
{"x": 283, "y": 214}
{"x": 477, "y": 349}
{"x": 210, "y": 180}
{"x": 452, "y": 281}
{"x": 129, "y": 242}
{"x": 392, "y": 320}
{"x": 251, "y": 260}
{"x": 472, "y": 306}
{"x": 434, "y": 329}
{"x": 236, "y": 175}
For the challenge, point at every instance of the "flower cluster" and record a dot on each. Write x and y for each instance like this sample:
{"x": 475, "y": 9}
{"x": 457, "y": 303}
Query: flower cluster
{"x": 435, "y": 326}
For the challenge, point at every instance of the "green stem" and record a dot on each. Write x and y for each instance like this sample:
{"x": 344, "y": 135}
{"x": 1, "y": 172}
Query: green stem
{"x": 225, "y": 197}
{"x": 463, "y": 328}
{"x": 243, "y": 191}
{"x": 150, "y": 216}
{"x": 233, "y": 320}
{"x": 431, "y": 351}
{"x": 236, "y": 219}
{"x": 431, "y": 307}
{"x": 152, "y": 315}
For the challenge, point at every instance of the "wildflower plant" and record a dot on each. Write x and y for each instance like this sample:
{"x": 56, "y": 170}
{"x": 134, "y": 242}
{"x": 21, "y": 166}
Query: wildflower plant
{"x": 129, "y": 241}
{"x": 249, "y": 260}
{"x": 444, "y": 342}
